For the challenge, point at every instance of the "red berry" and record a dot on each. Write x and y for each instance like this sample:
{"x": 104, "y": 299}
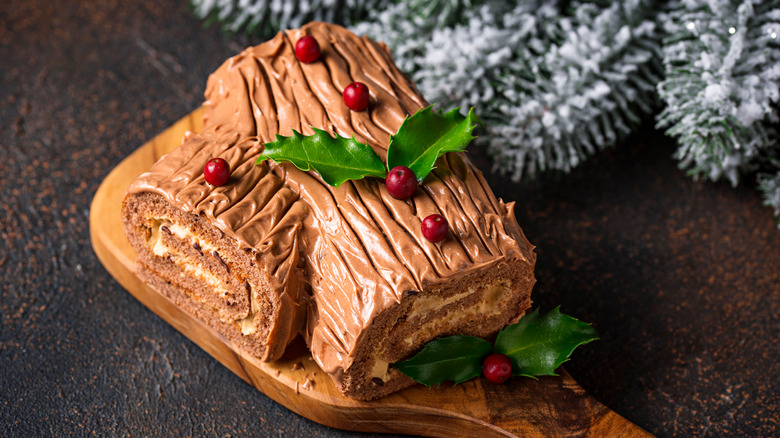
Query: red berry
{"x": 401, "y": 182}
{"x": 307, "y": 49}
{"x": 497, "y": 368}
{"x": 356, "y": 96}
{"x": 216, "y": 172}
{"x": 434, "y": 228}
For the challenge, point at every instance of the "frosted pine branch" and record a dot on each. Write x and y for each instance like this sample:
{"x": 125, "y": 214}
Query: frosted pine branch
{"x": 592, "y": 88}
{"x": 271, "y": 15}
{"x": 770, "y": 186}
{"x": 722, "y": 62}
{"x": 551, "y": 88}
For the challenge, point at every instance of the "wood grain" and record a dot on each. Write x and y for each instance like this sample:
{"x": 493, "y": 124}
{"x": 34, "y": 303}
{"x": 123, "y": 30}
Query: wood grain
{"x": 550, "y": 406}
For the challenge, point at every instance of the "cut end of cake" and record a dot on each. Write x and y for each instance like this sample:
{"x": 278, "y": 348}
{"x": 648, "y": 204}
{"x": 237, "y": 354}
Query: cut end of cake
{"x": 205, "y": 272}
{"x": 479, "y": 305}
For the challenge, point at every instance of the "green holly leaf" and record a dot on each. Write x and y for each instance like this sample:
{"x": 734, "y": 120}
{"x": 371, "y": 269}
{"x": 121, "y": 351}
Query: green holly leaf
{"x": 335, "y": 159}
{"x": 427, "y": 135}
{"x": 457, "y": 358}
{"x": 538, "y": 344}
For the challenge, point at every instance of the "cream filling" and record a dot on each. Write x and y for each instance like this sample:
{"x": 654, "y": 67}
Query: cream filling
{"x": 492, "y": 297}
{"x": 247, "y": 324}
{"x": 159, "y": 249}
{"x": 424, "y": 305}
{"x": 380, "y": 368}
{"x": 487, "y": 306}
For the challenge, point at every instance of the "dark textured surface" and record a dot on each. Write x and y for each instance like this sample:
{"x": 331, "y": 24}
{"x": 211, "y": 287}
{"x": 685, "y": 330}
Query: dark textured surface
{"x": 682, "y": 279}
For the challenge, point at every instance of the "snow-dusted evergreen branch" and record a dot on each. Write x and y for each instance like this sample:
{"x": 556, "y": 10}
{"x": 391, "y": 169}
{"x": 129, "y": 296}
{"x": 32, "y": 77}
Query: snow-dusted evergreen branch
{"x": 270, "y": 15}
{"x": 722, "y": 62}
{"x": 770, "y": 186}
{"x": 552, "y": 88}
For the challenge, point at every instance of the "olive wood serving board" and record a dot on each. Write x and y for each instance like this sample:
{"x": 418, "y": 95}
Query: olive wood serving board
{"x": 550, "y": 406}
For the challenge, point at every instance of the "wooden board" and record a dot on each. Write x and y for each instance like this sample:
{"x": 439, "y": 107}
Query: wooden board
{"x": 550, "y": 406}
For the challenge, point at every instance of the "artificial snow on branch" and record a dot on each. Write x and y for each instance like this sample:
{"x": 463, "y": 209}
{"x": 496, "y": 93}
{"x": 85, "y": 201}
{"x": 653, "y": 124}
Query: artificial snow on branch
{"x": 722, "y": 65}
{"x": 552, "y": 87}
{"x": 262, "y": 16}
{"x": 770, "y": 186}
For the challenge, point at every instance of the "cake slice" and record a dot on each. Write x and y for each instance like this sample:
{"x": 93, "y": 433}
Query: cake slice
{"x": 228, "y": 255}
{"x": 276, "y": 251}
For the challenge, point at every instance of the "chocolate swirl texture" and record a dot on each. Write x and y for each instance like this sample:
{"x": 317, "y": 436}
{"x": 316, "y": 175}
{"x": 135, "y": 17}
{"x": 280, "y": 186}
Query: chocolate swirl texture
{"x": 257, "y": 217}
{"x": 357, "y": 251}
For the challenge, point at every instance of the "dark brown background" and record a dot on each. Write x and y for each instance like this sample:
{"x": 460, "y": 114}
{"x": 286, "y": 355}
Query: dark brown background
{"x": 680, "y": 278}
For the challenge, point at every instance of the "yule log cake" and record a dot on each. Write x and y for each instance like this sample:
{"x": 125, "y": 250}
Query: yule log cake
{"x": 276, "y": 252}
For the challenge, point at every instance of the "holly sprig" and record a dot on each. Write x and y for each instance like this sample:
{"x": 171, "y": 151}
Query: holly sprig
{"x": 419, "y": 142}
{"x": 536, "y": 346}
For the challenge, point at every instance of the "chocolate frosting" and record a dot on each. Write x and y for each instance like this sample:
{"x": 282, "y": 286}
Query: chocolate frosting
{"x": 360, "y": 249}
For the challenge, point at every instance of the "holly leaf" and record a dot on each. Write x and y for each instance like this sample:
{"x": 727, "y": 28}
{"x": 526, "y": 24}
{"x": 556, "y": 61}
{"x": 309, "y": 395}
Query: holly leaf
{"x": 538, "y": 344}
{"x": 335, "y": 159}
{"x": 427, "y": 135}
{"x": 457, "y": 358}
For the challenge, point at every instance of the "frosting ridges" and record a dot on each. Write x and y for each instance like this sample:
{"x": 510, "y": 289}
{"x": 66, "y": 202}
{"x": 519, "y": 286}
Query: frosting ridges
{"x": 357, "y": 248}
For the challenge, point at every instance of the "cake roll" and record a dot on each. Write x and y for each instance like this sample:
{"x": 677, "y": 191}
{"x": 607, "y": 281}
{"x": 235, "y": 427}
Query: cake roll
{"x": 277, "y": 252}
{"x": 228, "y": 255}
